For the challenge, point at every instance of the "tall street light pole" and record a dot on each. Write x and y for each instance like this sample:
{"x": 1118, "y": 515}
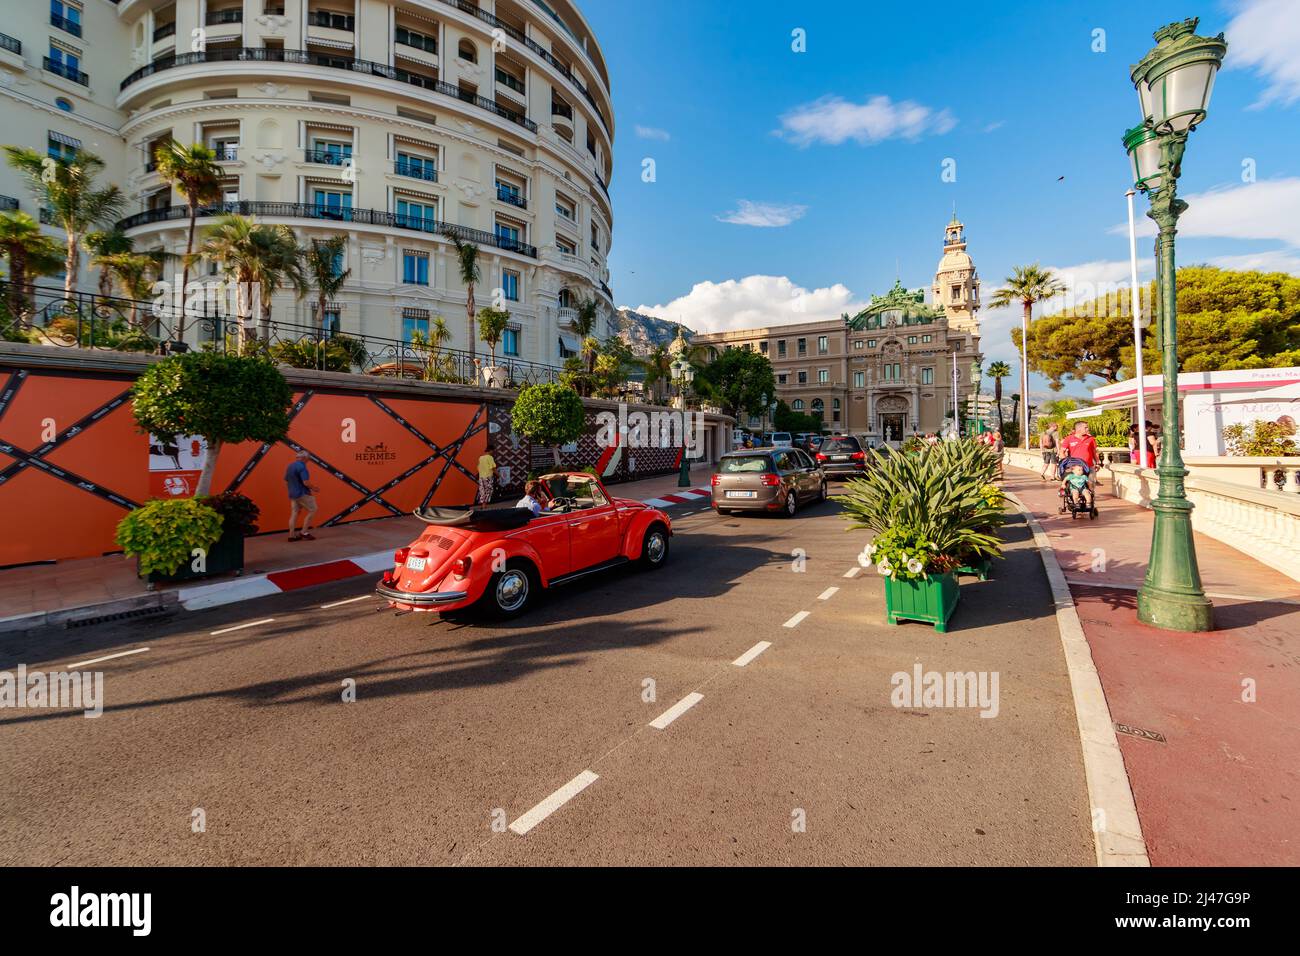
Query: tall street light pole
{"x": 1174, "y": 81}
{"x": 1135, "y": 305}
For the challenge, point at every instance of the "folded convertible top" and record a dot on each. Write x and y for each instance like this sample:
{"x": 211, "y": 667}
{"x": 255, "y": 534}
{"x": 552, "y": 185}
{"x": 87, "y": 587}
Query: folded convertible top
{"x": 498, "y": 518}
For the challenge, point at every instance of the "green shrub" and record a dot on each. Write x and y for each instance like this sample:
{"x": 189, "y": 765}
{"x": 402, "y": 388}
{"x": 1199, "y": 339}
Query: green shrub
{"x": 238, "y": 512}
{"x": 550, "y": 415}
{"x": 164, "y": 533}
{"x": 936, "y": 504}
{"x": 1260, "y": 438}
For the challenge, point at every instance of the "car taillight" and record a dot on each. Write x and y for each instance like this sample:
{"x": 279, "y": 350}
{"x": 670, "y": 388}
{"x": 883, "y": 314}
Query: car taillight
{"x": 858, "y": 456}
{"x": 821, "y": 457}
{"x": 460, "y": 567}
{"x": 716, "y": 480}
{"x": 770, "y": 479}
{"x": 399, "y": 556}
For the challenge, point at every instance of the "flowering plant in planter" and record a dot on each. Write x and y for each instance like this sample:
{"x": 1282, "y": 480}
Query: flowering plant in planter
{"x": 930, "y": 514}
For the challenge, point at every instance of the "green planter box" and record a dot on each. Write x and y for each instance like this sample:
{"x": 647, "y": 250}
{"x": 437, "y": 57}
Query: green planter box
{"x": 981, "y": 568}
{"x": 930, "y": 599}
{"x": 227, "y": 554}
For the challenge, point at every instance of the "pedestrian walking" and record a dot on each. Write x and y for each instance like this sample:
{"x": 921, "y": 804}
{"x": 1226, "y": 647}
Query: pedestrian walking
{"x": 1047, "y": 444}
{"x": 302, "y": 496}
{"x": 1083, "y": 446}
{"x": 999, "y": 450}
{"x": 1145, "y": 455}
{"x": 487, "y": 470}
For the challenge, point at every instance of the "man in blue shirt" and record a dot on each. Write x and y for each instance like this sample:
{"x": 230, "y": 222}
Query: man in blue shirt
{"x": 301, "y": 497}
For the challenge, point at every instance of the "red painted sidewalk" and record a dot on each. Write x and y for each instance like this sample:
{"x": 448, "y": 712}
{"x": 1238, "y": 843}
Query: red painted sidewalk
{"x": 1223, "y": 789}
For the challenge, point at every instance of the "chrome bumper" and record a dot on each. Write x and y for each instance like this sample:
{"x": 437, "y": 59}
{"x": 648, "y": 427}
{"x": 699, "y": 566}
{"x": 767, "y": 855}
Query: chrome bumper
{"x": 420, "y": 599}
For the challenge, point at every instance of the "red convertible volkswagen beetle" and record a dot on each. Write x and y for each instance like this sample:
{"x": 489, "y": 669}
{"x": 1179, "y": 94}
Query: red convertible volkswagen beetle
{"x": 504, "y": 557}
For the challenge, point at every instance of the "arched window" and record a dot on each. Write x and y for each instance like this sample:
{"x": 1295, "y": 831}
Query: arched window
{"x": 818, "y": 405}
{"x": 797, "y": 404}
{"x": 566, "y": 299}
{"x": 65, "y": 105}
{"x": 467, "y": 51}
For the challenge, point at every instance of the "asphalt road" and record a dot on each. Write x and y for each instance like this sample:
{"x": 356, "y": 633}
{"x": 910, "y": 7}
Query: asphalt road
{"x": 461, "y": 730}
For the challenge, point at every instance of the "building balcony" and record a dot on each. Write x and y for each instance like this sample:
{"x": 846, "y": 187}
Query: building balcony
{"x": 562, "y": 109}
{"x": 226, "y": 154}
{"x": 217, "y": 17}
{"x": 332, "y": 21}
{"x": 368, "y": 217}
{"x": 507, "y": 80}
{"x": 66, "y": 25}
{"x": 416, "y": 171}
{"x": 513, "y": 197}
{"x": 363, "y": 68}
{"x": 326, "y": 157}
{"x": 67, "y": 72}
{"x": 417, "y": 41}
{"x": 164, "y": 31}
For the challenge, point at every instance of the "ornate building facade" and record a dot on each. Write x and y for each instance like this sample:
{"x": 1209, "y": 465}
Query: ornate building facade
{"x": 895, "y": 368}
{"x": 399, "y": 124}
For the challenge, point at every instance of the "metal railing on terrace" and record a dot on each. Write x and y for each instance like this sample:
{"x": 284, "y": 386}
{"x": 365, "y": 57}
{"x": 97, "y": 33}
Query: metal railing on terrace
{"x": 164, "y": 31}
{"x": 11, "y": 44}
{"x": 423, "y": 171}
{"x": 67, "y": 72}
{"x": 48, "y": 316}
{"x": 372, "y": 217}
{"x": 365, "y": 67}
{"x": 66, "y": 25}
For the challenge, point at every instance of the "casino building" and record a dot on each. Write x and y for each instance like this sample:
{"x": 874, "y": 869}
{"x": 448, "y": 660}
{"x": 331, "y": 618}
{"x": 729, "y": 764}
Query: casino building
{"x": 888, "y": 371}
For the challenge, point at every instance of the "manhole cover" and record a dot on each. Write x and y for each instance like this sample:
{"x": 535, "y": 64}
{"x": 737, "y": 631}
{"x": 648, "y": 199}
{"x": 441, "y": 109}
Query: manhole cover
{"x": 1139, "y": 732}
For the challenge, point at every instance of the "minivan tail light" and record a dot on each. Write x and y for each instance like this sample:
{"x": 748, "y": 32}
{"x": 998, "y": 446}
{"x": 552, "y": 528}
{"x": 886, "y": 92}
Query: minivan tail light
{"x": 399, "y": 556}
{"x": 770, "y": 479}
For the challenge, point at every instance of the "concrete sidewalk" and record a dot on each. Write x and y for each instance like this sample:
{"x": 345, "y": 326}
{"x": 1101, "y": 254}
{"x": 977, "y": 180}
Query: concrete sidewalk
{"x": 91, "y": 588}
{"x": 1220, "y": 783}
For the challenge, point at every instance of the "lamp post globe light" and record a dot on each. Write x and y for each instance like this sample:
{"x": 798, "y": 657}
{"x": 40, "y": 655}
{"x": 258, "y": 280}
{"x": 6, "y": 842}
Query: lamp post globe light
{"x": 1174, "y": 81}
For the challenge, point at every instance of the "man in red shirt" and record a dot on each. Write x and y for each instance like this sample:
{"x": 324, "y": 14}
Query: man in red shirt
{"x": 1082, "y": 446}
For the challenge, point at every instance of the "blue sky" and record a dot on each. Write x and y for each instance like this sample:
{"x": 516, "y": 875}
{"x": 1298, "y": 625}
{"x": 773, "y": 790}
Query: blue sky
{"x": 846, "y": 144}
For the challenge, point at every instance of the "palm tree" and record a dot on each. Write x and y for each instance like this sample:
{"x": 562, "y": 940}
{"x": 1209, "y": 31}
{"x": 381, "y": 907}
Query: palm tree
{"x": 106, "y": 242}
{"x": 321, "y": 260}
{"x": 1026, "y": 285}
{"x": 584, "y": 324}
{"x": 67, "y": 188}
{"x": 658, "y": 367}
{"x": 467, "y": 257}
{"x": 232, "y": 243}
{"x": 431, "y": 346}
{"x": 134, "y": 273}
{"x": 280, "y": 265}
{"x": 29, "y": 253}
{"x": 193, "y": 171}
{"x": 998, "y": 371}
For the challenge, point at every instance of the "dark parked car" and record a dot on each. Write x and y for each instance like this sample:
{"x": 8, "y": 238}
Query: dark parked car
{"x": 842, "y": 456}
{"x": 808, "y": 442}
{"x": 776, "y": 479}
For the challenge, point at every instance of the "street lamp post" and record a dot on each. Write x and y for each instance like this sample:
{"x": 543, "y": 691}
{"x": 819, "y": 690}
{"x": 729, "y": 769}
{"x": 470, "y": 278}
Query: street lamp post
{"x": 685, "y": 375}
{"x": 1174, "y": 81}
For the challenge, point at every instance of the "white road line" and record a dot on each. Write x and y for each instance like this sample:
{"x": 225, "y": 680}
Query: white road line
{"x": 240, "y": 627}
{"x": 827, "y": 594}
{"x": 676, "y": 710}
{"x": 100, "y": 660}
{"x": 852, "y": 572}
{"x": 552, "y": 803}
{"x": 795, "y": 621}
{"x": 753, "y": 652}
{"x": 364, "y": 597}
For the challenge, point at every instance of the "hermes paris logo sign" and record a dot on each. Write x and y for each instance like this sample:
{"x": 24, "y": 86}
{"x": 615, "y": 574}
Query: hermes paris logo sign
{"x": 376, "y": 454}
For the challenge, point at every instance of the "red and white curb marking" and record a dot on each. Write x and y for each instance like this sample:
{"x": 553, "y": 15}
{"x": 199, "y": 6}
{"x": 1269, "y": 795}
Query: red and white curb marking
{"x": 679, "y": 498}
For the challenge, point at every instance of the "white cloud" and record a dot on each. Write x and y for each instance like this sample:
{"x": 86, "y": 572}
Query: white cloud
{"x": 753, "y": 302}
{"x": 750, "y": 213}
{"x": 1268, "y": 209}
{"x": 833, "y": 119}
{"x": 995, "y": 126}
{"x": 651, "y": 132}
{"x": 1272, "y": 260}
{"x": 1264, "y": 35}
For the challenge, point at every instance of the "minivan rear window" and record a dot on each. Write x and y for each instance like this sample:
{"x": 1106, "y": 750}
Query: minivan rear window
{"x": 839, "y": 445}
{"x": 745, "y": 465}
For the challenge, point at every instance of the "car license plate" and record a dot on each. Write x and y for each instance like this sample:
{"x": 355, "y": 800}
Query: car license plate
{"x": 742, "y": 494}
{"x": 416, "y": 564}
{"x": 840, "y": 458}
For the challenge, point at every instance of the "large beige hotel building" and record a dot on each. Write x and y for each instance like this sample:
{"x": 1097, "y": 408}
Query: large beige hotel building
{"x": 888, "y": 371}
{"x": 398, "y": 123}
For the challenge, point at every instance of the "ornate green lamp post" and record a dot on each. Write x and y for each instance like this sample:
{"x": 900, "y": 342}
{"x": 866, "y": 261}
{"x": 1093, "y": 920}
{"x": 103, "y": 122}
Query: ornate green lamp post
{"x": 684, "y": 372}
{"x": 1173, "y": 81}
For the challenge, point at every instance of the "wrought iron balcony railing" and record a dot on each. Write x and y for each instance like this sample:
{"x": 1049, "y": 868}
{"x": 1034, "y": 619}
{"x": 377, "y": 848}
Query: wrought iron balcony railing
{"x": 326, "y": 156}
{"x": 511, "y": 196}
{"x": 66, "y": 25}
{"x": 416, "y": 170}
{"x": 363, "y": 67}
{"x": 11, "y": 44}
{"x": 67, "y": 72}
{"x": 372, "y": 217}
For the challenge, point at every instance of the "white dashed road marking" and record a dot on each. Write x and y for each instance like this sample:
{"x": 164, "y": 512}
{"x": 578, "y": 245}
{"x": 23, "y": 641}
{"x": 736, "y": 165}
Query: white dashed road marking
{"x": 794, "y": 621}
{"x": 552, "y": 803}
{"x": 240, "y": 627}
{"x": 100, "y": 660}
{"x": 827, "y": 594}
{"x": 676, "y": 710}
{"x": 364, "y": 597}
{"x": 753, "y": 652}
{"x": 852, "y": 572}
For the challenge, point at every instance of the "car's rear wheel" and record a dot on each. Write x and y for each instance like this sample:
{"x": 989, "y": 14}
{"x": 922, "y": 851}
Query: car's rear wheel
{"x": 511, "y": 591}
{"x": 824, "y": 494}
{"x": 654, "y": 547}
{"x": 791, "y": 503}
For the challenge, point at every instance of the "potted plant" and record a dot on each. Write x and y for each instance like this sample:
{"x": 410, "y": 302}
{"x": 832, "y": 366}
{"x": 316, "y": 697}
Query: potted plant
{"x": 929, "y": 513}
{"x": 980, "y": 565}
{"x": 171, "y": 539}
{"x": 492, "y": 324}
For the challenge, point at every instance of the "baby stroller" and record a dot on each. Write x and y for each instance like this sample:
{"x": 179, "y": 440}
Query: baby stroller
{"x": 1074, "y": 500}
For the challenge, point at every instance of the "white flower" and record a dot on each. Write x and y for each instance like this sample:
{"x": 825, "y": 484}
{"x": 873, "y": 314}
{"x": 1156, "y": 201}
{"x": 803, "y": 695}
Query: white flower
{"x": 871, "y": 549}
{"x": 915, "y": 566}
{"x": 864, "y": 559}
{"x": 884, "y": 568}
